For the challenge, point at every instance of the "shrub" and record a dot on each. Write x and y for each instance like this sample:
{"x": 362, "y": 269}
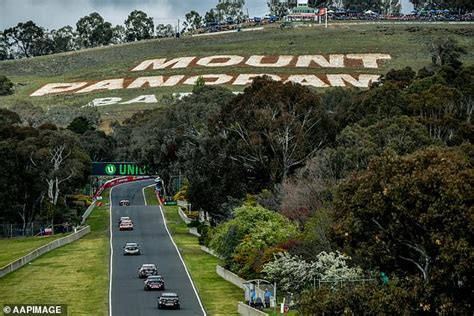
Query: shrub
{"x": 6, "y": 86}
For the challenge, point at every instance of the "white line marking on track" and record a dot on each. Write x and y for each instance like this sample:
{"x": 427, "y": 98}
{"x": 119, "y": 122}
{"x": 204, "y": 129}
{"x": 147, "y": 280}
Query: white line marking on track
{"x": 182, "y": 261}
{"x": 111, "y": 237}
{"x": 111, "y": 252}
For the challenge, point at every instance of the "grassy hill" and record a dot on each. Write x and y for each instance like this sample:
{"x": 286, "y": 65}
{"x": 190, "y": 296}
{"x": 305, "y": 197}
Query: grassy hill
{"x": 407, "y": 44}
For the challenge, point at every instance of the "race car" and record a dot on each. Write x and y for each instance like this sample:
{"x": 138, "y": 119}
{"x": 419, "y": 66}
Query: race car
{"x": 154, "y": 282}
{"x": 126, "y": 225}
{"x": 124, "y": 218}
{"x": 168, "y": 300}
{"x": 124, "y": 203}
{"x": 131, "y": 248}
{"x": 146, "y": 270}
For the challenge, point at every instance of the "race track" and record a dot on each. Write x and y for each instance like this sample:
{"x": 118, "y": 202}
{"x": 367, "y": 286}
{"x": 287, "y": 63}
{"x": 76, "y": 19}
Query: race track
{"x": 127, "y": 296}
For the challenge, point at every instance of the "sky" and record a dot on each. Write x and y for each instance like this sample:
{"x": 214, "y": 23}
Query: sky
{"x": 53, "y": 14}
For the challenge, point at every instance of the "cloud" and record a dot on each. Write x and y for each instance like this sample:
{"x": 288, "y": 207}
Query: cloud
{"x": 53, "y": 14}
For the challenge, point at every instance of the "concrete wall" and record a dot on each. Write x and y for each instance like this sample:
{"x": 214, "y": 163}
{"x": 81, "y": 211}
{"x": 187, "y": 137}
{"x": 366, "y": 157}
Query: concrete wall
{"x": 183, "y": 216}
{"x": 210, "y": 251}
{"x": 230, "y": 277}
{"x": 246, "y": 310}
{"x": 88, "y": 212}
{"x": 194, "y": 231}
{"x": 42, "y": 250}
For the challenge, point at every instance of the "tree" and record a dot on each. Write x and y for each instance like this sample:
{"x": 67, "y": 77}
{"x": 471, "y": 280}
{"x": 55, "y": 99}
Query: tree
{"x": 278, "y": 8}
{"x": 22, "y": 38}
{"x": 441, "y": 109}
{"x": 230, "y": 10}
{"x": 80, "y": 125}
{"x": 163, "y": 31}
{"x": 176, "y": 139}
{"x": 194, "y": 20}
{"x": 242, "y": 240}
{"x": 294, "y": 274}
{"x": 30, "y": 114}
{"x": 8, "y": 117}
{"x": 446, "y": 51}
{"x": 274, "y": 128}
{"x": 4, "y": 48}
{"x": 412, "y": 217}
{"x": 361, "y": 299}
{"x": 98, "y": 145}
{"x": 118, "y": 35}
{"x": 6, "y": 86}
{"x": 65, "y": 39}
{"x": 93, "y": 31}
{"x": 210, "y": 16}
{"x": 61, "y": 161}
{"x": 138, "y": 26}
{"x": 62, "y": 116}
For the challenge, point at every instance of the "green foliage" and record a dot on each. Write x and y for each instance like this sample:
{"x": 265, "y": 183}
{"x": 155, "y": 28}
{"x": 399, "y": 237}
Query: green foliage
{"x": 273, "y": 129}
{"x": 163, "y": 31}
{"x": 27, "y": 39}
{"x": 412, "y": 216}
{"x": 243, "y": 240}
{"x": 293, "y": 275}
{"x": 360, "y": 299}
{"x": 6, "y": 86}
{"x": 94, "y": 31}
{"x": 8, "y": 117}
{"x": 402, "y": 77}
{"x": 446, "y": 51}
{"x": 138, "y": 26}
{"x": 357, "y": 145}
{"x": 80, "y": 125}
{"x": 206, "y": 235}
{"x": 200, "y": 82}
{"x": 193, "y": 20}
{"x": 98, "y": 145}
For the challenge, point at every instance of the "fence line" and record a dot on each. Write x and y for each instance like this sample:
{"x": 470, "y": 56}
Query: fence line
{"x": 42, "y": 250}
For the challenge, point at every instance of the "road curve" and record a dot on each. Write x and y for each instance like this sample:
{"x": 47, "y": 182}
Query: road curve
{"x": 127, "y": 296}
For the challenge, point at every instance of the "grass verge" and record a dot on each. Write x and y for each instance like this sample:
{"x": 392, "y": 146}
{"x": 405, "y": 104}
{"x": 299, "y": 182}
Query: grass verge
{"x": 218, "y": 296}
{"x": 75, "y": 274}
{"x": 16, "y": 248}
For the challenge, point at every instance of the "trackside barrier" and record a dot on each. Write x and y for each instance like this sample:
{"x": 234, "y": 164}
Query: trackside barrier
{"x": 210, "y": 251}
{"x": 116, "y": 181}
{"x": 230, "y": 277}
{"x": 247, "y": 310}
{"x": 42, "y": 250}
{"x": 183, "y": 216}
{"x": 194, "y": 231}
{"x": 235, "y": 279}
{"x": 88, "y": 212}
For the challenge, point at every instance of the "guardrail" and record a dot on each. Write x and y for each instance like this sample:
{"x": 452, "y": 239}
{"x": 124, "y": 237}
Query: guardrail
{"x": 88, "y": 212}
{"x": 42, "y": 250}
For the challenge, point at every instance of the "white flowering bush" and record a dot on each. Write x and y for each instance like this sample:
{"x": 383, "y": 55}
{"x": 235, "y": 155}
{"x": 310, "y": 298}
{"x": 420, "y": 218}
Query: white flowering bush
{"x": 293, "y": 274}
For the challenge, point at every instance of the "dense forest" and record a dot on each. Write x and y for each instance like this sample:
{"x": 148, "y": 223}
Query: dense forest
{"x": 302, "y": 186}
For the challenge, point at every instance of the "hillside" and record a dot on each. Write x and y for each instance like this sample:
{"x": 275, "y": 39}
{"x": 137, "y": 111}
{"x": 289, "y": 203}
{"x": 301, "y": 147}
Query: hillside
{"x": 407, "y": 45}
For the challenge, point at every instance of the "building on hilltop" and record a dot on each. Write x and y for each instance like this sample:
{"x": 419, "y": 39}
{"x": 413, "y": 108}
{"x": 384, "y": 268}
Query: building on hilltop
{"x": 302, "y": 11}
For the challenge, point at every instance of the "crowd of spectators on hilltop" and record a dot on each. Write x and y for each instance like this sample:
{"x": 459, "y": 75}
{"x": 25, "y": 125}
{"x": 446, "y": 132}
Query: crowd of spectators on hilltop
{"x": 424, "y": 15}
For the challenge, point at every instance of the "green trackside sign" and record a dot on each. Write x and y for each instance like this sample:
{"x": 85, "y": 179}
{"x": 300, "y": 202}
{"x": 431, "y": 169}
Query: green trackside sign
{"x": 118, "y": 169}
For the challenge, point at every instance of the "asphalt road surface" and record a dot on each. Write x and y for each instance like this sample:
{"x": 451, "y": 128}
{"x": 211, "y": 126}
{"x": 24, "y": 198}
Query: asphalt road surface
{"x": 127, "y": 294}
